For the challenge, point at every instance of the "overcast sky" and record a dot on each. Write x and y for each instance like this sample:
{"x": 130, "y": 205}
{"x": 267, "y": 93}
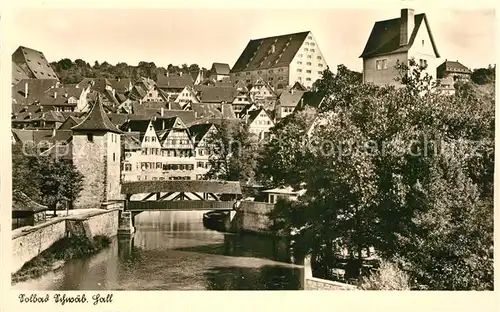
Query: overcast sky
{"x": 204, "y": 36}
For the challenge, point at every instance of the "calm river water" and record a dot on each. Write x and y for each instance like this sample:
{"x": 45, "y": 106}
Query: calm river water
{"x": 173, "y": 251}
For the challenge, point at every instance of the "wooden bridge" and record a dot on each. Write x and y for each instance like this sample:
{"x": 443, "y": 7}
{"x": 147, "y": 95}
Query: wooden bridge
{"x": 180, "y": 195}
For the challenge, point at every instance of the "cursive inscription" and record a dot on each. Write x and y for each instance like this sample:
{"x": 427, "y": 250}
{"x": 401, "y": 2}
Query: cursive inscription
{"x": 64, "y": 298}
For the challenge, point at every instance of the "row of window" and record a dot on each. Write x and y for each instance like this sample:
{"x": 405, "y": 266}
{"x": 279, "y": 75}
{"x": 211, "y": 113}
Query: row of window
{"x": 287, "y": 109}
{"x": 308, "y": 71}
{"x": 309, "y": 56}
{"x": 145, "y": 178}
{"x": 309, "y": 64}
{"x": 307, "y": 78}
{"x": 312, "y": 44}
{"x": 167, "y": 153}
{"x": 382, "y": 64}
{"x": 309, "y": 50}
{"x": 158, "y": 165}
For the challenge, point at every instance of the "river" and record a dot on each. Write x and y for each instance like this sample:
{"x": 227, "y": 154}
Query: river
{"x": 174, "y": 251}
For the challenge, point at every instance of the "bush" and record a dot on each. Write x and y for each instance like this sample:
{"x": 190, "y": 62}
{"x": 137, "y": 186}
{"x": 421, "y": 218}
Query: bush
{"x": 388, "y": 277}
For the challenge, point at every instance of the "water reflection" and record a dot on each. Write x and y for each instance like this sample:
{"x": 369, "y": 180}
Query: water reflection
{"x": 173, "y": 251}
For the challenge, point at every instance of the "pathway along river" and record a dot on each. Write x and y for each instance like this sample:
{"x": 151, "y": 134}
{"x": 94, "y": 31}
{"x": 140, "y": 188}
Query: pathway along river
{"x": 173, "y": 251}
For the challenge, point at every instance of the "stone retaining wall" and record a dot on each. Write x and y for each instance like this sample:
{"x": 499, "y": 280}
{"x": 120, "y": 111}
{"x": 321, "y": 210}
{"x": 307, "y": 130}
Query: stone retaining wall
{"x": 29, "y": 242}
{"x": 252, "y": 217}
{"x": 314, "y": 283}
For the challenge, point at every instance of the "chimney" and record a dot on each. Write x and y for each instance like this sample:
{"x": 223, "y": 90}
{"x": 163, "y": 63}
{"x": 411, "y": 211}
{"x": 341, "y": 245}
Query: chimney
{"x": 66, "y": 94}
{"x": 26, "y": 90}
{"x": 180, "y": 74}
{"x": 161, "y": 112}
{"x": 55, "y": 95}
{"x": 195, "y": 114}
{"x": 222, "y": 109}
{"x": 292, "y": 90}
{"x": 407, "y": 23}
{"x": 53, "y": 132}
{"x": 162, "y": 123}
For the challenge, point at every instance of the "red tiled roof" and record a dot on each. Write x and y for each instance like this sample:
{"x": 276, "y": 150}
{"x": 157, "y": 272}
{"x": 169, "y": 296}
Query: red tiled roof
{"x": 385, "y": 35}
{"x": 258, "y": 54}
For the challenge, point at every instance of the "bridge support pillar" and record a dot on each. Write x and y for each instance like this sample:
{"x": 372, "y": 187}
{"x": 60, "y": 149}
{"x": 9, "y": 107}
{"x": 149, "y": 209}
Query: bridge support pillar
{"x": 126, "y": 223}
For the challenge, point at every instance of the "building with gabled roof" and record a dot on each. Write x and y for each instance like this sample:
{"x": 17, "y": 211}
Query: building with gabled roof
{"x": 31, "y": 63}
{"x": 259, "y": 123}
{"x": 219, "y": 71}
{"x": 281, "y": 61}
{"x": 455, "y": 70}
{"x": 398, "y": 40}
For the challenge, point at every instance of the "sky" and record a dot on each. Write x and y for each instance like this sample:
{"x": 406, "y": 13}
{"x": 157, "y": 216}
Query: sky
{"x": 204, "y": 36}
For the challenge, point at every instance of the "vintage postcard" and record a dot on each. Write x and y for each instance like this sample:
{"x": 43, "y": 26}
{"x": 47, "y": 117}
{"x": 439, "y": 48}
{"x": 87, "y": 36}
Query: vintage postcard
{"x": 319, "y": 150}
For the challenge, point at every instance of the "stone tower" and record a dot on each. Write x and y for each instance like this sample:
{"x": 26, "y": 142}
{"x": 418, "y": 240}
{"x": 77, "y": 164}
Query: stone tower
{"x": 96, "y": 154}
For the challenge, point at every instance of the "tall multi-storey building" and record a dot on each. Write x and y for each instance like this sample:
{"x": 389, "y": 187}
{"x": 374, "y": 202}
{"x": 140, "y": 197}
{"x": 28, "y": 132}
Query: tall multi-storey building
{"x": 280, "y": 61}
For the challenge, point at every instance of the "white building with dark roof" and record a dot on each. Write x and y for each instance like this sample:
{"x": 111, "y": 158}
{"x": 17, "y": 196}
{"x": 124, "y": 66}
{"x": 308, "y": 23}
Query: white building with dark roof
{"x": 398, "y": 39}
{"x": 280, "y": 61}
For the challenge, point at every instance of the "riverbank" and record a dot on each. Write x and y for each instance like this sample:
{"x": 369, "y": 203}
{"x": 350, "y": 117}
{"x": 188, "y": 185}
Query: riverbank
{"x": 56, "y": 255}
{"x": 31, "y": 241}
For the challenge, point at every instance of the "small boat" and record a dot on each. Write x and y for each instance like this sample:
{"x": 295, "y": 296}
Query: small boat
{"x": 215, "y": 220}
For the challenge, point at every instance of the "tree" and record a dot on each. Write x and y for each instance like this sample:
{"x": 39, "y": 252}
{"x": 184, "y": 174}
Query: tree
{"x": 25, "y": 177}
{"x": 483, "y": 76}
{"x": 284, "y": 159}
{"x": 60, "y": 181}
{"x": 383, "y": 166}
{"x": 233, "y": 156}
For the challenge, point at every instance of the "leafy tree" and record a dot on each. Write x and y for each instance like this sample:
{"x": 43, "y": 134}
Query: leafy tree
{"x": 59, "y": 181}
{"x": 44, "y": 178}
{"x": 383, "y": 167}
{"x": 233, "y": 156}
{"x": 284, "y": 159}
{"x": 483, "y": 76}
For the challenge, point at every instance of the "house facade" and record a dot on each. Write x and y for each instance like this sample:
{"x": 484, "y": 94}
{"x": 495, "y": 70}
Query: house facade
{"x": 281, "y": 61}
{"x": 398, "y": 40}
{"x": 454, "y": 70}
{"x": 220, "y": 71}
{"x": 259, "y": 123}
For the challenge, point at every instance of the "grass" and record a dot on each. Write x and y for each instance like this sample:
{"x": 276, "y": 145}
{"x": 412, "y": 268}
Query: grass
{"x": 54, "y": 256}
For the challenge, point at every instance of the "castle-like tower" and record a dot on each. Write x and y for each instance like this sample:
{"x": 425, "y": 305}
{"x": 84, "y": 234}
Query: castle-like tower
{"x": 96, "y": 151}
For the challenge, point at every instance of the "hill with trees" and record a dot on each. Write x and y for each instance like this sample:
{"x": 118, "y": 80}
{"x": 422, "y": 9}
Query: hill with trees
{"x": 74, "y": 71}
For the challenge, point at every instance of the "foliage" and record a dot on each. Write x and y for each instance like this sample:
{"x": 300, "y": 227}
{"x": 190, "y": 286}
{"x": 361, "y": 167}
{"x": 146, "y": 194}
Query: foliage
{"x": 233, "y": 153}
{"x": 283, "y": 160}
{"x": 45, "y": 178}
{"x": 73, "y": 72}
{"x": 405, "y": 170}
{"x": 388, "y": 277}
{"x": 483, "y": 76}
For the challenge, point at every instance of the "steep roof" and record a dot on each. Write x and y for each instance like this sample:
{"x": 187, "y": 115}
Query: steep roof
{"x": 258, "y": 53}
{"x": 220, "y": 68}
{"x": 290, "y": 98}
{"x": 70, "y": 122}
{"x": 385, "y": 35}
{"x": 131, "y": 140}
{"x": 96, "y": 120}
{"x": 60, "y": 96}
{"x": 21, "y": 202}
{"x": 199, "y": 131}
{"x": 36, "y": 136}
{"x": 452, "y": 66}
{"x": 33, "y": 63}
{"x": 18, "y": 74}
{"x": 254, "y": 113}
{"x": 120, "y": 84}
{"x": 36, "y": 90}
{"x": 174, "y": 81}
{"x": 312, "y": 98}
{"x": 215, "y": 94}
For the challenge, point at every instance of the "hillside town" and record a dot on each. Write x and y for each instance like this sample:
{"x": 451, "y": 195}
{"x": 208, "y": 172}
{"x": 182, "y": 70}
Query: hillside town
{"x": 123, "y": 130}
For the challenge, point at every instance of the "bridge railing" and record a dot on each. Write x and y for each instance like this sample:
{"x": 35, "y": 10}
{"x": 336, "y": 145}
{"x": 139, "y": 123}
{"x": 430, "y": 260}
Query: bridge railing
{"x": 180, "y": 205}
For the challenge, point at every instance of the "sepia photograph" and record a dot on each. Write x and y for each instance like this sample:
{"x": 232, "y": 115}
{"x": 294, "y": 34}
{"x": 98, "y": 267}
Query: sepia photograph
{"x": 252, "y": 149}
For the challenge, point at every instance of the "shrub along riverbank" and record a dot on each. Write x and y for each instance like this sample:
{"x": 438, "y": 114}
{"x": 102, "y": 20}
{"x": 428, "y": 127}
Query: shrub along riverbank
{"x": 61, "y": 251}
